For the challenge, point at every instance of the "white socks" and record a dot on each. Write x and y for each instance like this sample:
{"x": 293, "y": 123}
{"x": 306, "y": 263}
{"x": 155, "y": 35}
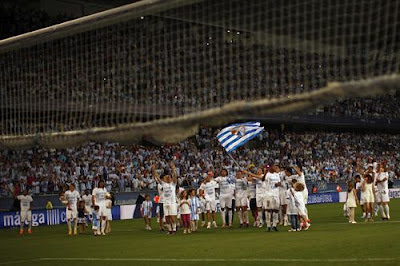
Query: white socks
{"x": 382, "y": 211}
{"x": 387, "y": 210}
{"x": 259, "y": 217}
{"x": 275, "y": 219}
{"x": 230, "y": 216}
{"x": 103, "y": 225}
{"x": 223, "y": 216}
{"x": 174, "y": 227}
{"x": 69, "y": 225}
{"x": 268, "y": 218}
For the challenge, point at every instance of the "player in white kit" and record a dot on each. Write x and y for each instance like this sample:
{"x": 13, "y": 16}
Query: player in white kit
{"x": 72, "y": 197}
{"x": 25, "y": 212}
{"x": 241, "y": 199}
{"x": 260, "y": 193}
{"x": 273, "y": 182}
{"x": 87, "y": 198}
{"x": 225, "y": 197}
{"x": 382, "y": 194}
{"x": 283, "y": 197}
{"x": 251, "y": 194}
{"x": 168, "y": 184}
{"x": 99, "y": 196}
{"x": 208, "y": 187}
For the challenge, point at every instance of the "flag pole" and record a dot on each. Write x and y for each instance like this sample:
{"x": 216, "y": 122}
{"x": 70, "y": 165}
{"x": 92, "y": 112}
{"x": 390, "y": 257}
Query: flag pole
{"x": 234, "y": 161}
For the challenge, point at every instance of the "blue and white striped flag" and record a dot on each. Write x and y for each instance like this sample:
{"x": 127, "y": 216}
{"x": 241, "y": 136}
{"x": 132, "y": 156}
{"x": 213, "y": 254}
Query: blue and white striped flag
{"x": 236, "y": 135}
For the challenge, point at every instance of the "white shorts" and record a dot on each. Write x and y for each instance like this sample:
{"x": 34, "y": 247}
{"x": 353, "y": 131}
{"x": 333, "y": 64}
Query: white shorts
{"x": 102, "y": 210}
{"x": 260, "y": 201}
{"x": 382, "y": 196}
{"x": 225, "y": 201}
{"x": 272, "y": 202}
{"x": 283, "y": 197}
{"x": 211, "y": 205}
{"x": 170, "y": 209}
{"x": 26, "y": 215}
{"x": 72, "y": 214}
{"x": 108, "y": 214}
{"x": 241, "y": 202}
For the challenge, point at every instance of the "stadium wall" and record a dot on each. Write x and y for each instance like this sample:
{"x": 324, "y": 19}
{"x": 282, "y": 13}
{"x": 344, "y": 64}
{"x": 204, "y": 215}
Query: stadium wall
{"x": 129, "y": 211}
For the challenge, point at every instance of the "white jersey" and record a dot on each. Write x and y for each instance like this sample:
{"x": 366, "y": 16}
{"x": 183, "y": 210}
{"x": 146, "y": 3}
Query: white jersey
{"x": 160, "y": 193}
{"x": 209, "y": 190}
{"x": 99, "y": 196}
{"x": 252, "y": 188}
{"x": 169, "y": 192}
{"x": 224, "y": 186}
{"x": 72, "y": 197}
{"x": 284, "y": 181}
{"x": 25, "y": 202}
{"x": 271, "y": 179}
{"x": 241, "y": 188}
{"x": 260, "y": 187}
{"x": 382, "y": 186}
{"x": 88, "y": 200}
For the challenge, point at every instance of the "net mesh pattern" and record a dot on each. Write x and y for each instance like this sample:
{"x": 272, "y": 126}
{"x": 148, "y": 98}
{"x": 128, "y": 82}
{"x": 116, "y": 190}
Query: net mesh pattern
{"x": 162, "y": 74}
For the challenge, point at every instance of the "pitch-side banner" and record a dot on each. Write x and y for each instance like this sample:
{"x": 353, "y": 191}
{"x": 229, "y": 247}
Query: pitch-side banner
{"x": 319, "y": 198}
{"x": 43, "y": 217}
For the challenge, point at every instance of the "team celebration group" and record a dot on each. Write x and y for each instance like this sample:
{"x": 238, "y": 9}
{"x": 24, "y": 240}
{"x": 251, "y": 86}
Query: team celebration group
{"x": 275, "y": 195}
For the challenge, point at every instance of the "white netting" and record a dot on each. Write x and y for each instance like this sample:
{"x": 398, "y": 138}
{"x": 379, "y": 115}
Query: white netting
{"x": 161, "y": 69}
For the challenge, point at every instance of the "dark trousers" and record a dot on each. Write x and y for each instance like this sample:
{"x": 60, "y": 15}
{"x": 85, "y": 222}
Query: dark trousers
{"x": 294, "y": 221}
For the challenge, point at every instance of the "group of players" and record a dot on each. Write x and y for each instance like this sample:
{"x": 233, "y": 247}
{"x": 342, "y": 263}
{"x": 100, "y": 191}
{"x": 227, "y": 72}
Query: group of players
{"x": 371, "y": 191}
{"x": 95, "y": 207}
{"x": 273, "y": 194}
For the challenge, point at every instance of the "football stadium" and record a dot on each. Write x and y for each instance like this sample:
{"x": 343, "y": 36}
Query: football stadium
{"x": 199, "y": 132}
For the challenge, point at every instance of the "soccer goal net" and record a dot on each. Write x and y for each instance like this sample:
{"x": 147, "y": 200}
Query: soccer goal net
{"x": 159, "y": 69}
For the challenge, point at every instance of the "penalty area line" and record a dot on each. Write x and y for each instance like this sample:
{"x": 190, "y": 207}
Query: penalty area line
{"x": 223, "y": 260}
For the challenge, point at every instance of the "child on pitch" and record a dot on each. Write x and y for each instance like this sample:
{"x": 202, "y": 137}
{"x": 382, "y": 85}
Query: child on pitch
{"x": 301, "y": 206}
{"x": 184, "y": 207}
{"x": 95, "y": 219}
{"x": 195, "y": 209}
{"x": 369, "y": 196}
{"x": 291, "y": 209}
{"x": 81, "y": 217}
{"x": 352, "y": 201}
{"x": 146, "y": 210}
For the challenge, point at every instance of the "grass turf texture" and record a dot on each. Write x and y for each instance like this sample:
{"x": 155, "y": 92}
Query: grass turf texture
{"x": 330, "y": 240}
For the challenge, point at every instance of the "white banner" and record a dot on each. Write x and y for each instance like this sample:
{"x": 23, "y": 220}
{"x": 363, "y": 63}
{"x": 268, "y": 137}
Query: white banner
{"x": 127, "y": 211}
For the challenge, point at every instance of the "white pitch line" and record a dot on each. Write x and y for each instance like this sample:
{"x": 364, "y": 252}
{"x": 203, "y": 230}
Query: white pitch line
{"x": 18, "y": 261}
{"x": 222, "y": 260}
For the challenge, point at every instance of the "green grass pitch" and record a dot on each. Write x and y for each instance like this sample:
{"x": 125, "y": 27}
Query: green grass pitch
{"x": 330, "y": 241}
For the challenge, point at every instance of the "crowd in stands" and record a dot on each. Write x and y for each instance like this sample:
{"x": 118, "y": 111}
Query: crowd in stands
{"x": 383, "y": 107}
{"x": 324, "y": 156}
{"x": 162, "y": 62}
